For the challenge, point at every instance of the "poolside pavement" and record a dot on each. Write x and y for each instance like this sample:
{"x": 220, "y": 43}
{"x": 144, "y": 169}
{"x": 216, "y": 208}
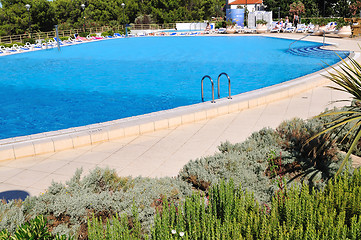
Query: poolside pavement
{"x": 165, "y": 152}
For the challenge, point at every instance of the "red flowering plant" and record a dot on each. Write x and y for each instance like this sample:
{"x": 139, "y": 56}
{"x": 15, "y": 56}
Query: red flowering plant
{"x": 355, "y": 7}
{"x": 297, "y": 7}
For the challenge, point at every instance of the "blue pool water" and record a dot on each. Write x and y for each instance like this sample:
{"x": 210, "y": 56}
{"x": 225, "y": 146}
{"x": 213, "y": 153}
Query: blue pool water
{"x": 100, "y": 81}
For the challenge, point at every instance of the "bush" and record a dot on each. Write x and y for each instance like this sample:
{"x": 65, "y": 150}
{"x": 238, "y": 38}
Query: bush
{"x": 108, "y": 33}
{"x": 29, "y": 40}
{"x": 245, "y": 162}
{"x": 318, "y": 155}
{"x": 261, "y": 21}
{"x": 297, "y": 213}
{"x": 34, "y": 229}
{"x": 103, "y": 194}
{"x": 83, "y": 34}
{"x": 64, "y": 38}
{"x": 262, "y": 165}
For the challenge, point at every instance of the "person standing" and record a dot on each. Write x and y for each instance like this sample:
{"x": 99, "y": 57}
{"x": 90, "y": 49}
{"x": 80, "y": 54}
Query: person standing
{"x": 295, "y": 20}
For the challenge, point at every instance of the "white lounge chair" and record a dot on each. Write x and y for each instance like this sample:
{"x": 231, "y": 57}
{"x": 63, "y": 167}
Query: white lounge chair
{"x": 289, "y": 28}
{"x": 250, "y": 30}
{"x": 301, "y": 28}
{"x": 311, "y": 28}
{"x": 331, "y": 27}
{"x": 275, "y": 27}
{"x": 221, "y": 30}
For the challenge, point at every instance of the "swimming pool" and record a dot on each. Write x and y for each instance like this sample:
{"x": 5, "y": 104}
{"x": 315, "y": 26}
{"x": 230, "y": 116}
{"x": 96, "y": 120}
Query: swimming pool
{"x": 106, "y": 80}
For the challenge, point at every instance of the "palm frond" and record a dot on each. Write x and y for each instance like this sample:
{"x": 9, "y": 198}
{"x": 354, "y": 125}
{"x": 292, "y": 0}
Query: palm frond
{"x": 347, "y": 77}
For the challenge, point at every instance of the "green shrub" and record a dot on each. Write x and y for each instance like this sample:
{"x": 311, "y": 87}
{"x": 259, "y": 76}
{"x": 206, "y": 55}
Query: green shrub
{"x": 34, "y": 229}
{"x": 108, "y": 33}
{"x": 297, "y": 213}
{"x": 245, "y": 162}
{"x": 11, "y": 215}
{"x": 317, "y": 155}
{"x": 115, "y": 228}
{"x": 83, "y": 34}
{"x": 29, "y": 40}
{"x": 64, "y": 38}
{"x": 262, "y": 165}
{"x": 102, "y": 193}
{"x": 221, "y": 24}
{"x": 261, "y": 21}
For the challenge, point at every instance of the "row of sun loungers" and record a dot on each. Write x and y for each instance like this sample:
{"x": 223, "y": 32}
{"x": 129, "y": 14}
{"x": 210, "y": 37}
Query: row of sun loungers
{"x": 302, "y": 28}
{"x": 52, "y": 43}
{"x": 77, "y": 39}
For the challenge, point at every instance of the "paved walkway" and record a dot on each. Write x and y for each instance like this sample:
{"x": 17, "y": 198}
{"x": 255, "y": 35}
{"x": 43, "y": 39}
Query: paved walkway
{"x": 163, "y": 153}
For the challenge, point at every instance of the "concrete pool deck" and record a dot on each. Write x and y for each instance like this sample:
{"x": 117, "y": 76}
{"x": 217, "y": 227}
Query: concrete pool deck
{"x": 163, "y": 152}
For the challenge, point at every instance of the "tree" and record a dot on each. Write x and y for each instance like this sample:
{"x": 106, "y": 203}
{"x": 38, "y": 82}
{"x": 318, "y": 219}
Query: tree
{"x": 355, "y": 7}
{"x": 296, "y": 8}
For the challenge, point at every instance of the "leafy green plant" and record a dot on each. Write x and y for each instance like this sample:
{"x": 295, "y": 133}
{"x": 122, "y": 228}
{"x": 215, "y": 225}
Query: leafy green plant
{"x": 83, "y": 34}
{"x": 347, "y": 79}
{"x": 29, "y": 40}
{"x": 34, "y": 229}
{"x": 261, "y": 21}
{"x": 317, "y": 155}
{"x": 295, "y": 213}
{"x": 64, "y": 38}
{"x": 115, "y": 227}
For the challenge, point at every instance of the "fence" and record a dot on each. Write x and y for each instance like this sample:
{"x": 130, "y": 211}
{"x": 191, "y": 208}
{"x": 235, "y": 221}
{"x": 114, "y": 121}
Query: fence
{"x": 152, "y": 26}
{"x": 63, "y": 33}
{"x": 51, "y": 34}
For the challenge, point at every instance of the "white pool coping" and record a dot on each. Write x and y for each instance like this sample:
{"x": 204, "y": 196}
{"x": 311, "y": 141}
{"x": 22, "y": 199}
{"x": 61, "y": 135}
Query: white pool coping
{"x": 54, "y": 141}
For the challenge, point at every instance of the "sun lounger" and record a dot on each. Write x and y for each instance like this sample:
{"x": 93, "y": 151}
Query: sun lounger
{"x": 301, "y": 28}
{"x": 250, "y": 30}
{"x": 289, "y": 29}
{"x": 82, "y": 38}
{"x": 331, "y": 27}
{"x": 118, "y": 35}
{"x": 221, "y": 30}
{"x": 275, "y": 29}
{"x": 311, "y": 28}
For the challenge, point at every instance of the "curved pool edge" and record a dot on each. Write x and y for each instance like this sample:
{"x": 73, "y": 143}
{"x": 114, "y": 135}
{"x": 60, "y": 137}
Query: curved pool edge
{"x": 50, "y": 142}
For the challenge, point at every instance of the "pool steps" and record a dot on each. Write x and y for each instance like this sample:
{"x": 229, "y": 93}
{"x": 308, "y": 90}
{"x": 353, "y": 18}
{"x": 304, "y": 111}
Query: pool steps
{"x": 49, "y": 142}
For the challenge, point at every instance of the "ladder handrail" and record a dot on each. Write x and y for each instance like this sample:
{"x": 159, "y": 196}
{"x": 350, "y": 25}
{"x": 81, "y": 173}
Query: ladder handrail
{"x": 289, "y": 47}
{"x": 206, "y": 76}
{"x": 229, "y": 85}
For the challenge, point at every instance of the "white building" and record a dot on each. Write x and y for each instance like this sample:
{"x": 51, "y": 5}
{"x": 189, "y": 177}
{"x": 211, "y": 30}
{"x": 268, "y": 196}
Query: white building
{"x": 252, "y": 5}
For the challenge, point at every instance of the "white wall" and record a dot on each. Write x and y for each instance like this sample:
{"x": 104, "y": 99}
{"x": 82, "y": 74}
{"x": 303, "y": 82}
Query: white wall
{"x": 199, "y": 26}
{"x": 258, "y": 15}
{"x": 250, "y": 7}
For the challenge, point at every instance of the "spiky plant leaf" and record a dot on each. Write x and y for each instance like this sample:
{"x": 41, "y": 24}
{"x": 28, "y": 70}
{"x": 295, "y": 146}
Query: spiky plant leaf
{"x": 348, "y": 79}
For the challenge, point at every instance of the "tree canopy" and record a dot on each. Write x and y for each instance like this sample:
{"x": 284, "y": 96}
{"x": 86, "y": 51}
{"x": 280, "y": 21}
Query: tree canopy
{"x": 14, "y": 17}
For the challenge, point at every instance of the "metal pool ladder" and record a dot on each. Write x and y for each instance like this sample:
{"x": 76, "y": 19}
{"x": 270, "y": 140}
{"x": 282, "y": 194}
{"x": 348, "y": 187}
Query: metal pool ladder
{"x": 218, "y": 86}
{"x": 206, "y": 76}
{"x": 229, "y": 85}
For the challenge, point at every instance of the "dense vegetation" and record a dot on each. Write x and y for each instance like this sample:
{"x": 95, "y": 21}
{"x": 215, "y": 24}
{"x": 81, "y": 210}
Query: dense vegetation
{"x": 312, "y": 8}
{"x": 270, "y": 164}
{"x": 68, "y": 14}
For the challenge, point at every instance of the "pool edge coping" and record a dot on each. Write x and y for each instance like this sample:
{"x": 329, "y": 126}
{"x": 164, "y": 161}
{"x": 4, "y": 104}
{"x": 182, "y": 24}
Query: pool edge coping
{"x": 71, "y": 138}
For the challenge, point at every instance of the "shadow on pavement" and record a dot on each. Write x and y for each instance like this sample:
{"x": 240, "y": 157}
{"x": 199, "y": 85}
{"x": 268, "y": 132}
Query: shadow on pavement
{"x": 13, "y": 195}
